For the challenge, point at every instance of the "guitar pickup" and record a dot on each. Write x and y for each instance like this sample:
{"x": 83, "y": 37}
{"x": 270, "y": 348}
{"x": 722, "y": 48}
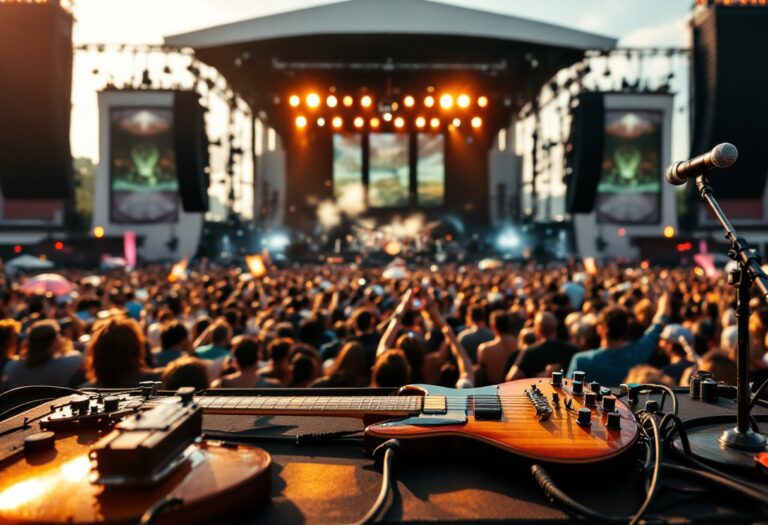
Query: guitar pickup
{"x": 435, "y": 405}
{"x": 487, "y": 407}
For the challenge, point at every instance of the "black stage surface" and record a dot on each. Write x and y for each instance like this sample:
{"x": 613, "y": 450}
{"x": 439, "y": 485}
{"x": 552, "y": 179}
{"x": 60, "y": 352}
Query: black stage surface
{"x": 336, "y": 483}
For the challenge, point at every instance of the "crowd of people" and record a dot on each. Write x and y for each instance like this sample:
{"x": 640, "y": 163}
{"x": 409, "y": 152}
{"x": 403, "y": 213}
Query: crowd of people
{"x": 339, "y": 325}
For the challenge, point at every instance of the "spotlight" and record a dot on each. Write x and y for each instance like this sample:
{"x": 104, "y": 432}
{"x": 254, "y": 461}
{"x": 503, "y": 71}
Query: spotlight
{"x": 294, "y": 101}
{"x": 366, "y": 101}
{"x": 337, "y": 122}
{"x": 409, "y": 101}
{"x": 477, "y": 122}
{"x": 429, "y": 101}
{"x": 347, "y": 101}
{"x": 669, "y": 232}
{"x": 456, "y": 122}
{"x": 98, "y": 232}
{"x": 332, "y": 101}
{"x": 301, "y": 122}
{"x": 313, "y": 100}
{"x": 375, "y": 122}
{"x": 463, "y": 100}
{"x": 446, "y": 101}
{"x": 277, "y": 241}
{"x": 420, "y": 122}
{"x": 435, "y": 122}
{"x": 387, "y": 117}
{"x": 482, "y": 101}
{"x": 508, "y": 239}
{"x": 399, "y": 122}
{"x": 59, "y": 245}
{"x": 359, "y": 122}
{"x": 321, "y": 122}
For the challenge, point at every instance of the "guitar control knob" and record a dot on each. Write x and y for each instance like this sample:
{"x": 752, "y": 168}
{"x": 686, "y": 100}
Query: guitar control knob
{"x": 147, "y": 388}
{"x": 578, "y": 375}
{"x": 709, "y": 391}
{"x": 585, "y": 417}
{"x": 594, "y": 386}
{"x": 186, "y": 393}
{"x": 555, "y": 399}
{"x": 609, "y": 403}
{"x": 39, "y": 442}
{"x": 557, "y": 378}
{"x": 590, "y": 399}
{"x": 614, "y": 421}
{"x": 577, "y": 387}
{"x": 111, "y": 403}
{"x": 79, "y": 404}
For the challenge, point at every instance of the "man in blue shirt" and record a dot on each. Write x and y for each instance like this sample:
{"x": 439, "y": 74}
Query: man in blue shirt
{"x": 609, "y": 364}
{"x": 175, "y": 343}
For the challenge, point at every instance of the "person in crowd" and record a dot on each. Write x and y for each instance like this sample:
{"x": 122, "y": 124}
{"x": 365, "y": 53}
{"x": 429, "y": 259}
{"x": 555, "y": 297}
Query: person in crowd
{"x": 115, "y": 355}
{"x": 46, "y": 359}
{"x": 477, "y": 331}
{"x": 185, "y": 371}
{"x": 246, "y": 353}
{"x": 219, "y": 334}
{"x": 609, "y": 364}
{"x": 676, "y": 342}
{"x": 305, "y": 365}
{"x": 349, "y": 369}
{"x": 493, "y": 356}
{"x": 647, "y": 374}
{"x": 364, "y": 325}
{"x": 175, "y": 343}
{"x": 391, "y": 370}
{"x": 533, "y": 361}
{"x": 9, "y": 341}
{"x": 279, "y": 365}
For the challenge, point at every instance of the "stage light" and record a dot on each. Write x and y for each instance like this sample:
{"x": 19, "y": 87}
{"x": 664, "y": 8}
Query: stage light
{"x": 409, "y": 101}
{"x": 463, "y": 100}
{"x": 347, "y": 101}
{"x": 313, "y": 100}
{"x": 366, "y": 101}
{"x": 359, "y": 122}
{"x": 331, "y": 101}
{"x": 482, "y": 101}
{"x": 294, "y": 101}
{"x": 429, "y": 101}
{"x": 59, "y": 245}
{"x": 301, "y": 122}
{"x": 321, "y": 122}
{"x": 669, "y": 232}
{"x": 477, "y": 122}
{"x": 375, "y": 122}
{"x": 446, "y": 101}
{"x": 337, "y": 122}
{"x": 399, "y": 122}
{"x": 622, "y": 232}
{"x": 17, "y": 248}
{"x": 277, "y": 241}
{"x": 456, "y": 122}
{"x": 387, "y": 117}
{"x": 421, "y": 122}
{"x": 508, "y": 239}
{"x": 435, "y": 122}
{"x": 98, "y": 232}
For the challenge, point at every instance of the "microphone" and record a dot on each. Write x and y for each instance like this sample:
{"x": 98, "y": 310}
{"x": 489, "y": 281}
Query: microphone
{"x": 722, "y": 156}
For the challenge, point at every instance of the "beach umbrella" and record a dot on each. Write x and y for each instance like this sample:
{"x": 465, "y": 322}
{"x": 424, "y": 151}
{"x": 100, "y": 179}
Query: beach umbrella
{"x": 28, "y": 262}
{"x": 47, "y": 283}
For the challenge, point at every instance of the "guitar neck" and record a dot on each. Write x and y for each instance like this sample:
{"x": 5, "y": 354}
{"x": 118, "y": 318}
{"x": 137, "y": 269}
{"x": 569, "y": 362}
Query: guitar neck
{"x": 346, "y": 406}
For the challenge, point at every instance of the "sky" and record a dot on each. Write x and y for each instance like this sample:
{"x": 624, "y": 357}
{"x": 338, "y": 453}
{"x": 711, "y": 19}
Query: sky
{"x": 634, "y": 22}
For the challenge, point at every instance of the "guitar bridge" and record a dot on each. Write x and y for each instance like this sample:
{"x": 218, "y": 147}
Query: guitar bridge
{"x": 539, "y": 402}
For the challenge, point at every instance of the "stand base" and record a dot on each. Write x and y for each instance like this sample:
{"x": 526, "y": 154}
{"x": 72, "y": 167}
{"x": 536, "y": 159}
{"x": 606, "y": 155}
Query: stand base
{"x": 707, "y": 445}
{"x": 748, "y": 441}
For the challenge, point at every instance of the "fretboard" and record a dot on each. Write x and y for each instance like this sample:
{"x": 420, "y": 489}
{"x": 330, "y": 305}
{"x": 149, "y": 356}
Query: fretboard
{"x": 356, "y": 406}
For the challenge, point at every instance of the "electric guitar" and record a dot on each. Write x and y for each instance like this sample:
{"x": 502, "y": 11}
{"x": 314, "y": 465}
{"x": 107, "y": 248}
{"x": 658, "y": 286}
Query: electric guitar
{"x": 97, "y": 459}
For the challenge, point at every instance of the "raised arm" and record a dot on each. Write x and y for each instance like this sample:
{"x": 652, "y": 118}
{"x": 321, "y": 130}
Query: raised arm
{"x": 390, "y": 334}
{"x": 466, "y": 372}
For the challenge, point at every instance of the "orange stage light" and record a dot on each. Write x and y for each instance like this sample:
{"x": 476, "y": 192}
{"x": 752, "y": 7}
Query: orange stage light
{"x": 375, "y": 122}
{"x": 321, "y": 122}
{"x": 359, "y": 122}
{"x": 331, "y": 101}
{"x": 477, "y": 122}
{"x": 366, "y": 101}
{"x": 59, "y": 245}
{"x": 435, "y": 122}
{"x": 482, "y": 101}
{"x": 98, "y": 232}
{"x": 456, "y": 122}
{"x": 446, "y": 101}
{"x": 294, "y": 101}
{"x": 669, "y": 232}
{"x": 387, "y": 117}
{"x": 347, "y": 100}
{"x": 409, "y": 101}
{"x": 301, "y": 122}
{"x": 421, "y": 122}
{"x": 463, "y": 100}
{"x": 429, "y": 101}
{"x": 399, "y": 122}
{"x": 337, "y": 122}
{"x": 313, "y": 100}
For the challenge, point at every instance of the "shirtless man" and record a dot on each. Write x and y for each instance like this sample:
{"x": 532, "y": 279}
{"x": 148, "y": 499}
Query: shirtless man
{"x": 493, "y": 356}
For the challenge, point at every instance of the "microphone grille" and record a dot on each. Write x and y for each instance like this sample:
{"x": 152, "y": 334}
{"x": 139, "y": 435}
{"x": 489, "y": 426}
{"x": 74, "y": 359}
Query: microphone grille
{"x": 724, "y": 155}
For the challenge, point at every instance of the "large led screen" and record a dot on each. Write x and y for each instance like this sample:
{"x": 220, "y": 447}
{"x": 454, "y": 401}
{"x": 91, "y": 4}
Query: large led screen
{"x": 388, "y": 174}
{"x": 629, "y": 191}
{"x": 347, "y": 163}
{"x": 430, "y": 170}
{"x": 143, "y": 183}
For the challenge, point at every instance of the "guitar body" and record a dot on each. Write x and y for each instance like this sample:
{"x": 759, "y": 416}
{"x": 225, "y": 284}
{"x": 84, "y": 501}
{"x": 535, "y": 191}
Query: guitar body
{"x": 53, "y": 487}
{"x": 559, "y": 439}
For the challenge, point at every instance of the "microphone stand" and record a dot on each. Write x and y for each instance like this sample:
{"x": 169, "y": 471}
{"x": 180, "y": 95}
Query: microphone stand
{"x": 748, "y": 271}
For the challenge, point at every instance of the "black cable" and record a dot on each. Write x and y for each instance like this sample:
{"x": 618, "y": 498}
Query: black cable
{"x": 721, "y": 481}
{"x": 21, "y": 406}
{"x": 154, "y": 512}
{"x": 756, "y": 396}
{"x": 653, "y": 488}
{"x": 17, "y": 390}
{"x": 389, "y": 449}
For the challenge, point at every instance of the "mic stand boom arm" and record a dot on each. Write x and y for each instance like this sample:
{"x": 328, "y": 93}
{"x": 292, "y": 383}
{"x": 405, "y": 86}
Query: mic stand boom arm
{"x": 748, "y": 272}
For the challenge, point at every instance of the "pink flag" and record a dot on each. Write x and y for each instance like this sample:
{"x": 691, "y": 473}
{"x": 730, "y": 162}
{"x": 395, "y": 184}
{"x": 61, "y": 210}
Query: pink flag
{"x": 129, "y": 248}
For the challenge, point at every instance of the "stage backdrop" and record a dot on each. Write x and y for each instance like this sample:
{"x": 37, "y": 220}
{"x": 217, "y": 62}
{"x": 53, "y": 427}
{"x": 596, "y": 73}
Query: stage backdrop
{"x": 631, "y": 195}
{"x": 136, "y": 187}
